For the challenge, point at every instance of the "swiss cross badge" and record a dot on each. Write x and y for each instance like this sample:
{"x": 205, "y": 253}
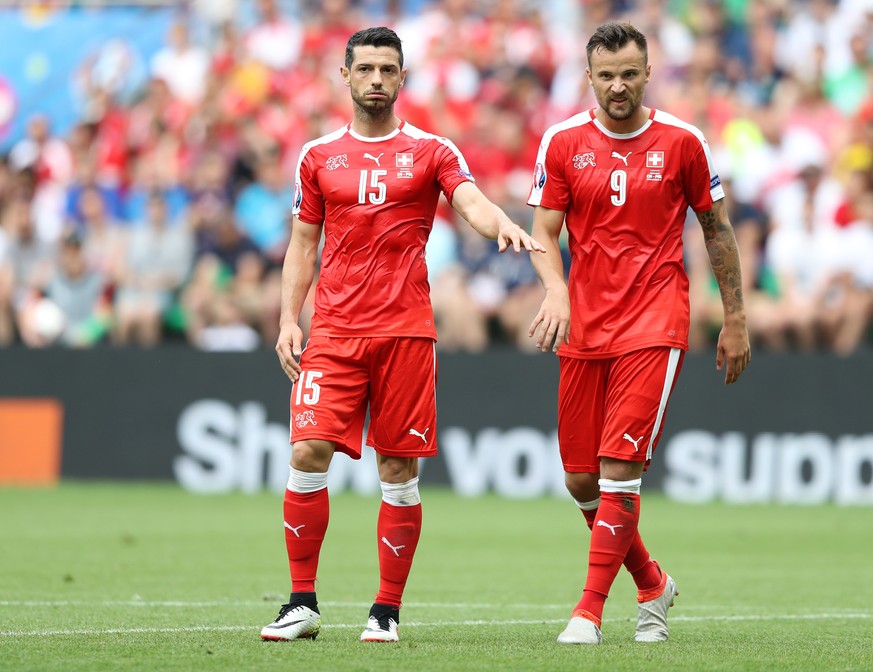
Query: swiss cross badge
{"x": 654, "y": 159}
{"x": 403, "y": 159}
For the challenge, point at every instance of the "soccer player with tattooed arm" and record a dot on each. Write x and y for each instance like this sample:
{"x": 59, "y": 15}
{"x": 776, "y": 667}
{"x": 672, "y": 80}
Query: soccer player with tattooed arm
{"x": 622, "y": 177}
{"x": 372, "y": 189}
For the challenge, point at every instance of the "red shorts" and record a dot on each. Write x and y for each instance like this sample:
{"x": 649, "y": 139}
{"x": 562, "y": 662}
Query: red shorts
{"x": 342, "y": 377}
{"x": 614, "y": 407}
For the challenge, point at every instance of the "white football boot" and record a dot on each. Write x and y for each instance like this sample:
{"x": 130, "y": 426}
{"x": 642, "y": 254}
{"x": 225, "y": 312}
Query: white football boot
{"x": 580, "y": 630}
{"x": 293, "y": 622}
{"x": 382, "y": 624}
{"x": 652, "y": 615}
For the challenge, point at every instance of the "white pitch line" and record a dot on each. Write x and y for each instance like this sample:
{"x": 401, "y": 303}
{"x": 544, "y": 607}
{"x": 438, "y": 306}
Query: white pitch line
{"x": 275, "y": 601}
{"x": 261, "y": 603}
{"x": 774, "y": 617}
{"x": 414, "y": 624}
{"x": 126, "y": 631}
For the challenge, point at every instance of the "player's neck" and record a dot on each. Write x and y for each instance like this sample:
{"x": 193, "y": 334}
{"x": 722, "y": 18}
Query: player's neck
{"x": 624, "y": 126}
{"x": 374, "y": 126}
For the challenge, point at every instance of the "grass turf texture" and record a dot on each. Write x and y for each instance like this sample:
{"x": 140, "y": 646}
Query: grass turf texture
{"x": 148, "y": 577}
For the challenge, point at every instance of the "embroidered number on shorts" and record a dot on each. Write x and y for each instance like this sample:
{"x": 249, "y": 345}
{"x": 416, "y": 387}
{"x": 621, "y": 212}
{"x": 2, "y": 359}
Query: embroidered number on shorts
{"x": 308, "y": 390}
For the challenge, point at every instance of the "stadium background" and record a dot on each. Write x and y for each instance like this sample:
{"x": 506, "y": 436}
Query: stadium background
{"x": 174, "y": 127}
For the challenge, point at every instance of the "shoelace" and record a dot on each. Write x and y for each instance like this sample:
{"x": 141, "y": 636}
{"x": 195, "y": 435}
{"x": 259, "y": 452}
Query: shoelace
{"x": 384, "y": 621}
{"x": 285, "y": 609}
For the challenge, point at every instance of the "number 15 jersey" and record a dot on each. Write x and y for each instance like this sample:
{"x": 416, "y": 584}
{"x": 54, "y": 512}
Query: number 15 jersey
{"x": 625, "y": 199}
{"x": 376, "y": 198}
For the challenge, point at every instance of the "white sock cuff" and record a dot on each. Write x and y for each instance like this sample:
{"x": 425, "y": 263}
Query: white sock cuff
{"x": 305, "y": 482}
{"x": 588, "y": 506}
{"x": 401, "y": 494}
{"x": 632, "y": 487}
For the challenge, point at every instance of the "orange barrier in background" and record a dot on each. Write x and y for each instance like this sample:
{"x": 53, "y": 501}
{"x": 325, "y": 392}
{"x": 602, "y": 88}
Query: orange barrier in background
{"x": 31, "y": 432}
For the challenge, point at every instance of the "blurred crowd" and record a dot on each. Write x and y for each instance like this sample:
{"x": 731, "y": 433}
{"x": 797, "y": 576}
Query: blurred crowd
{"x": 165, "y": 218}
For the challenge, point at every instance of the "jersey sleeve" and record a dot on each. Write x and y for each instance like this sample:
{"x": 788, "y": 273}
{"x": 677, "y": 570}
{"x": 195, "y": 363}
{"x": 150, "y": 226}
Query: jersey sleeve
{"x": 308, "y": 199}
{"x": 703, "y": 185}
{"x": 452, "y": 168}
{"x": 549, "y": 188}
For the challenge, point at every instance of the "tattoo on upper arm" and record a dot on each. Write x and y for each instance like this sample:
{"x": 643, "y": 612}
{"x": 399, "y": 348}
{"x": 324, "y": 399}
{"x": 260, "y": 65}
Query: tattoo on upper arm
{"x": 721, "y": 245}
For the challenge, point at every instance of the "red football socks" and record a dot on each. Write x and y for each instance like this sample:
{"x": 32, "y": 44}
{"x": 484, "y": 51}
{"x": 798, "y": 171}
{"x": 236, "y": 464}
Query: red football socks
{"x": 642, "y": 568}
{"x": 614, "y": 529}
{"x": 306, "y": 518}
{"x": 398, "y": 530}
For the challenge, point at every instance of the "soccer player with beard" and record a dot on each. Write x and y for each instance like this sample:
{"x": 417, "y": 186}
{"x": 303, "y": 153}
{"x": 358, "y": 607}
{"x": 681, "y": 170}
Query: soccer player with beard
{"x": 623, "y": 177}
{"x": 372, "y": 189}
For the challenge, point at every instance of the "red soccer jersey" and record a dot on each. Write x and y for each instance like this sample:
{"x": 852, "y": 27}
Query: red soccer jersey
{"x": 626, "y": 197}
{"x": 376, "y": 198}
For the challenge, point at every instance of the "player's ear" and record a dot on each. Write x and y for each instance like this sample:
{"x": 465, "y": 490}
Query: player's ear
{"x": 346, "y": 75}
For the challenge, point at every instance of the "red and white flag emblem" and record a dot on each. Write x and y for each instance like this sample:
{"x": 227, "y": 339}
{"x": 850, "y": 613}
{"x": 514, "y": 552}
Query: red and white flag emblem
{"x": 403, "y": 159}
{"x": 654, "y": 159}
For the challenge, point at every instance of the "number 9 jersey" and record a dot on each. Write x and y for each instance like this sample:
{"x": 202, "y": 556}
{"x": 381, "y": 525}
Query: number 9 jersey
{"x": 625, "y": 199}
{"x": 376, "y": 199}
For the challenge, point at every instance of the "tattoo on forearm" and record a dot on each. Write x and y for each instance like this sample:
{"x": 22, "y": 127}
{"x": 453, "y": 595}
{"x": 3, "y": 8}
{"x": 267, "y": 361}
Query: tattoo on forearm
{"x": 724, "y": 257}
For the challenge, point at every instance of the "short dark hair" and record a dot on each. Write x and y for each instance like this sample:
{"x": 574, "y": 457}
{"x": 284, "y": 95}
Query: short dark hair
{"x": 373, "y": 37}
{"x": 613, "y": 36}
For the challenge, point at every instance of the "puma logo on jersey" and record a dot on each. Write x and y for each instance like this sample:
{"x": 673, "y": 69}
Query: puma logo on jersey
{"x": 582, "y": 160}
{"x": 420, "y": 435}
{"x": 367, "y": 155}
{"x": 628, "y": 437}
{"x": 294, "y": 529}
{"x": 396, "y": 549}
{"x": 616, "y": 155}
{"x": 612, "y": 528}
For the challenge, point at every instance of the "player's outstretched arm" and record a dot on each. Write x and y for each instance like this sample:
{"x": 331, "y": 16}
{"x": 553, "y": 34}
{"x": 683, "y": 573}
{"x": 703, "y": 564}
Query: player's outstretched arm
{"x": 733, "y": 350}
{"x": 490, "y": 221}
{"x": 298, "y": 272}
{"x": 552, "y": 323}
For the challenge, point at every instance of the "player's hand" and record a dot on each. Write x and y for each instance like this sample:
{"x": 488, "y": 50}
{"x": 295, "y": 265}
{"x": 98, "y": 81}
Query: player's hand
{"x": 289, "y": 347}
{"x": 733, "y": 352}
{"x": 552, "y": 323}
{"x": 513, "y": 235}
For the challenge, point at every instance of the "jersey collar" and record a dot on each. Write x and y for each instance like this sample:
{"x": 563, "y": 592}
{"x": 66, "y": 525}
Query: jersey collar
{"x": 622, "y": 136}
{"x": 362, "y": 138}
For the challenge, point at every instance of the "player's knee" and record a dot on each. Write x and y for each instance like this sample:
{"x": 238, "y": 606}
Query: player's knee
{"x": 311, "y": 455}
{"x": 620, "y": 470}
{"x": 397, "y": 469}
{"x": 582, "y": 486}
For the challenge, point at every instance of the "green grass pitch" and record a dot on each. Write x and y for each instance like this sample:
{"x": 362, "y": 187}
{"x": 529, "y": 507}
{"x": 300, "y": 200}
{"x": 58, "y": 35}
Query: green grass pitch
{"x": 148, "y": 577}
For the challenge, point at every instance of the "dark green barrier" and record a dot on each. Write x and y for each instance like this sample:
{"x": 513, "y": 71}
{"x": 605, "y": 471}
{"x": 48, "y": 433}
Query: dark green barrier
{"x": 796, "y": 429}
